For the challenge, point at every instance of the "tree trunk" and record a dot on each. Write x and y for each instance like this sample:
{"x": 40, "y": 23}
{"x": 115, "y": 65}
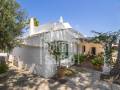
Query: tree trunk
{"x": 106, "y": 67}
{"x": 118, "y": 57}
{"x": 59, "y": 63}
{"x": 115, "y": 72}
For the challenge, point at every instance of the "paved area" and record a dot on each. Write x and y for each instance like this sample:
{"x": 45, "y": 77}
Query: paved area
{"x": 84, "y": 80}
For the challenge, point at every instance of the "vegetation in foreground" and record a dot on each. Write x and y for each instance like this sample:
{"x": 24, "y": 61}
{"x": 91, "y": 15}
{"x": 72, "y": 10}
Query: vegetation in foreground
{"x": 3, "y": 65}
{"x": 3, "y": 68}
{"x": 12, "y": 21}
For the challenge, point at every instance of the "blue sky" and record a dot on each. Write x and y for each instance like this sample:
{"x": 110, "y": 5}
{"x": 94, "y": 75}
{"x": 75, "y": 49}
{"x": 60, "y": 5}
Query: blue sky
{"x": 83, "y": 15}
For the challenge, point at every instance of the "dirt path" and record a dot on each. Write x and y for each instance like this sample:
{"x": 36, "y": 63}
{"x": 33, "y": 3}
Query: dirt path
{"x": 84, "y": 80}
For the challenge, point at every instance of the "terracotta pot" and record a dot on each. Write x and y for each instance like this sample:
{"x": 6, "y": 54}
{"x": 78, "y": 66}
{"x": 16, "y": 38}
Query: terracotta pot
{"x": 97, "y": 67}
{"x": 61, "y": 73}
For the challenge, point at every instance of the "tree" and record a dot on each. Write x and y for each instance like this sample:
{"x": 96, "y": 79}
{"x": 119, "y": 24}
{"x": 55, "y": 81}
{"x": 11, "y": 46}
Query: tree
{"x": 36, "y": 23}
{"x": 115, "y": 72}
{"x": 106, "y": 39}
{"x": 56, "y": 48}
{"x": 12, "y": 21}
{"x": 117, "y": 65}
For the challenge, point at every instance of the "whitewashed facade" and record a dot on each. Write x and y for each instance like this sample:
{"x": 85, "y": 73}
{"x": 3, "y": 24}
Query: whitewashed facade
{"x": 34, "y": 50}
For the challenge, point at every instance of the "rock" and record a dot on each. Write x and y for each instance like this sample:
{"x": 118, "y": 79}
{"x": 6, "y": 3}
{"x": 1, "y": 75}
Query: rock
{"x": 104, "y": 76}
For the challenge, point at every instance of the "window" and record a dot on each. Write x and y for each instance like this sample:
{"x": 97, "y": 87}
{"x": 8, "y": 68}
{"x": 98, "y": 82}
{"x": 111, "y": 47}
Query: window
{"x": 64, "y": 50}
{"x": 59, "y": 48}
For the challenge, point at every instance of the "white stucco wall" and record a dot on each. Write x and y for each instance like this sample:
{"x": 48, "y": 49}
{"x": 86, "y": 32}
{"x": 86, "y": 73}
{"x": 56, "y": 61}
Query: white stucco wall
{"x": 35, "y": 58}
{"x": 35, "y": 53}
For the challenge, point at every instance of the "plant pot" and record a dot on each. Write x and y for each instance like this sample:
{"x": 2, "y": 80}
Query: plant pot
{"x": 61, "y": 73}
{"x": 97, "y": 67}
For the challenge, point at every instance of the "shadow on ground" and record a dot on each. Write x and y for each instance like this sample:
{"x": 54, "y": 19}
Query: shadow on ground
{"x": 84, "y": 80}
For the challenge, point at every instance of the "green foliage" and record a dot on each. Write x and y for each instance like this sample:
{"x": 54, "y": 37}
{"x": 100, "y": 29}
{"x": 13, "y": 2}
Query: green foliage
{"x": 98, "y": 60}
{"x": 3, "y": 68}
{"x": 67, "y": 71}
{"x": 54, "y": 48}
{"x": 36, "y": 22}
{"x": 12, "y": 21}
{"x": 107, "y": 39}
{"x": 59, "y": 49}
{"x": 118, "y": 57}
{"x": 79, "y": 58}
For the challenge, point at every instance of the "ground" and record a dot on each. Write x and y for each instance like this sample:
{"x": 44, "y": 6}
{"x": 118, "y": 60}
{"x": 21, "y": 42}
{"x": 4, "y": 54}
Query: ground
{"x": 85, "y": 80}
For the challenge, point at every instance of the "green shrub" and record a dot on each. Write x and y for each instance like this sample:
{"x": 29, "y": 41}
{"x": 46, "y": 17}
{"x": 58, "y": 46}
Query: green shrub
{"x": 79, "y": 58}
{"x": 68, "y": 71}
{"x": 3, "y": 68}
{"x": 98, "y": 60}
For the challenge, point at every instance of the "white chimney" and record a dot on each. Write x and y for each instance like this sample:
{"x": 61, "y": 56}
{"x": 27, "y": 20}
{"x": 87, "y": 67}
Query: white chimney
{"x": 61, "y": 19}
{"x": 31, "y": 26}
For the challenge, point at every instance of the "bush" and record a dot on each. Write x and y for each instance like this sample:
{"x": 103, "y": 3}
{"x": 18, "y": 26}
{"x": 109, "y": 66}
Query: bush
{"x": 79, "y": 58}
{"x": 3, "y": 68}
{"x": 64, "y": 71}
{"x": 97, "y": 61}
{"x": 69, "y": 72}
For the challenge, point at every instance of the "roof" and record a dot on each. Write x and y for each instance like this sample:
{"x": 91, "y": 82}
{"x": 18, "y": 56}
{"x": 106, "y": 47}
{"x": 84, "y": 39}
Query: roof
{"x": 51, "y": 26}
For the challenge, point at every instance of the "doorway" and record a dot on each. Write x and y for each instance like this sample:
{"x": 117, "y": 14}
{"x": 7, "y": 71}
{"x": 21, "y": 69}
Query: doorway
{"x": 93, "y": 51}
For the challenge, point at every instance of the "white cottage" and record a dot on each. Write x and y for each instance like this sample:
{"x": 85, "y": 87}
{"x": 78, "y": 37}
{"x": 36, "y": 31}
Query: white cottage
{"x": 34, "y": 50}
